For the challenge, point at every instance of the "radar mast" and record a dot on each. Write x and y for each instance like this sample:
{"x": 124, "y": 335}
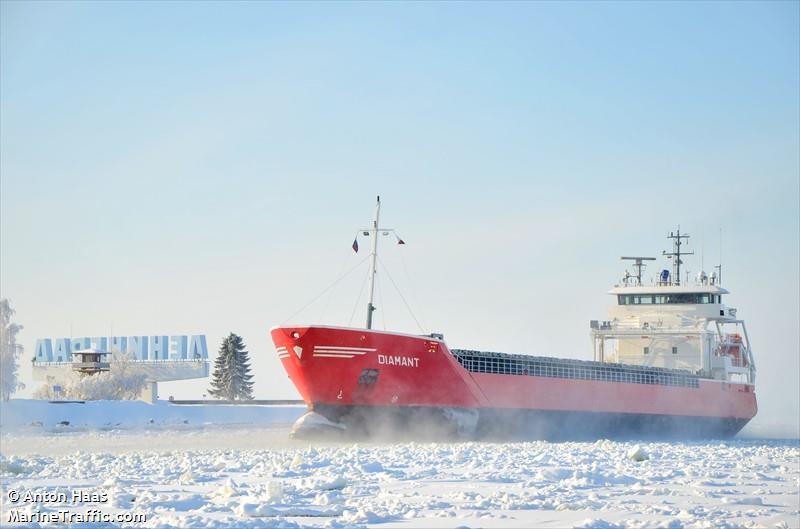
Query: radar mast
{"x": 638, "y": 265}
{"x": 676, "y": 254}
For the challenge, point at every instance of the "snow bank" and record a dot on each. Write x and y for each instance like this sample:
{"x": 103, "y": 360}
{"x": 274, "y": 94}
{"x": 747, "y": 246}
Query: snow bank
{"x": 19, "y": 414}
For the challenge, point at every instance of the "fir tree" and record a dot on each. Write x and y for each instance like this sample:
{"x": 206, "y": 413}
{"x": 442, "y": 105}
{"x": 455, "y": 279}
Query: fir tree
{"x": 232, "y": 379}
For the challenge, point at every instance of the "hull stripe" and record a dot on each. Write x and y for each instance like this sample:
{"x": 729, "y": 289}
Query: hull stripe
{"x": 339, "y": 352}
{"x": 330, "y": 355}
{"x": 341, "y": 348}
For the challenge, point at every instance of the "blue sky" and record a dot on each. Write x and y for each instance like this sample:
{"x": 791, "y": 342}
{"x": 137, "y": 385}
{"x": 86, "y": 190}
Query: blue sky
{"x": 201, "y": 167}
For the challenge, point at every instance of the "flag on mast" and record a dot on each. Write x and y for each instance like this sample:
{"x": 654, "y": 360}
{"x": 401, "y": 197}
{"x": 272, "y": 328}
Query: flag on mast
{"x": 355, "y": 244}
{"x": 399, "y": 240}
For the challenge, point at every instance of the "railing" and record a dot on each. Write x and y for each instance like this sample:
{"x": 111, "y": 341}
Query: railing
{"x": 99, "y": 366}
{"x": 692, "y": 325}
{"x": 39, "y": 363}
{"x": 538, "y": 366}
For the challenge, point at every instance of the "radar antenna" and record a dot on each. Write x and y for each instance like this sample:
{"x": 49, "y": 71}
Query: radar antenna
{"x": 677, "y": 253}
{"x": 638, "y": 265}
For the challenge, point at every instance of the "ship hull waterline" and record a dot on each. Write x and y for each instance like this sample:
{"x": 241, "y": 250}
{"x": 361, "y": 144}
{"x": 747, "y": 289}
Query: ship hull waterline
{"x": 380, "y": 384}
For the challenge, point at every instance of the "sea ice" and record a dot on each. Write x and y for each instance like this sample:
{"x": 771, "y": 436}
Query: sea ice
{"x": 637, "y": 453}
{"x": 222, "y": 477}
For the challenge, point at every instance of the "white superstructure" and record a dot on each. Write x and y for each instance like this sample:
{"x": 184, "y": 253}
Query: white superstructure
{"x": 673, "y": 325}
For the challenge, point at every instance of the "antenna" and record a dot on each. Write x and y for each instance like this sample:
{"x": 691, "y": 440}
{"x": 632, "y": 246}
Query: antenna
{"x": 702, "y": 250}
{"x": 676, "y": 253}
{"x": 638, "y": 265}
{"x": 719, "y": 266}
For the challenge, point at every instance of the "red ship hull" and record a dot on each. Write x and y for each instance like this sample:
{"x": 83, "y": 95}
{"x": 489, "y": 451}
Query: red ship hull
{"x": 371, "y": 380}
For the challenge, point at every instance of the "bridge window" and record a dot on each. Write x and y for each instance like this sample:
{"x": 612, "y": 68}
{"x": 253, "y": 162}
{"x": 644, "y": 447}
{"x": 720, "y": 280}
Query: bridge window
{"x": 694, "y": 298}
{"x": 674, "y": 350}
{"x": 647, "y": 350}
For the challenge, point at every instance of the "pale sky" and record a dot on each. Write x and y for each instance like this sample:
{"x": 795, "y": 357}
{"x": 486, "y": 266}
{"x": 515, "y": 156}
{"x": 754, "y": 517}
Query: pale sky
{"x": 183, "y": 168}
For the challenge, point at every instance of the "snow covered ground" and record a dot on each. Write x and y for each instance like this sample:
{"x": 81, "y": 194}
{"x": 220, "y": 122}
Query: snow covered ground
{"x": 234, "y": 467}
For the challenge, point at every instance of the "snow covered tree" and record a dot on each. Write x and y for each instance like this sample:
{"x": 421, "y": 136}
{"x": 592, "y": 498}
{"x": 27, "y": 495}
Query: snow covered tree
{"x": 232, "y": 379}
{"x": 122, "y": 382}
{"x": 9, "y": 352}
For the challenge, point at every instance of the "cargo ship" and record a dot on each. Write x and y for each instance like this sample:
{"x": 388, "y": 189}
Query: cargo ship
{"x": 670, "y": 360}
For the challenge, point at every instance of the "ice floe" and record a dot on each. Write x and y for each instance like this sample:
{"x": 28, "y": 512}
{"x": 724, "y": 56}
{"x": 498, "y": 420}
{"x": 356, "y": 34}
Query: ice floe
{"x": 225, "y": 478}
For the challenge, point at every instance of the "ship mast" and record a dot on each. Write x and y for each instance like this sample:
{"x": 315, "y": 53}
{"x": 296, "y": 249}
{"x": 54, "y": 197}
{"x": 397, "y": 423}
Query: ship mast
{"x": 676, "y": 254}
{"x": 374, "y": 231}
{"x": 638, "y": 265}
{"x": 373, "y": 257}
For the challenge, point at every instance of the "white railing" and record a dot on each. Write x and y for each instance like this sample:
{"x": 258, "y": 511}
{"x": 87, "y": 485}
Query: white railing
{"x": 40, "y": 363}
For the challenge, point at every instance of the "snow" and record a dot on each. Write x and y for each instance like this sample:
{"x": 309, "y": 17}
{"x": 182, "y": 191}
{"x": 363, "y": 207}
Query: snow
{"x": 637, "y": 453}
{"x": 118, "y": 414}
{"x": 233, "y": 466}
{"x": 313, "y": 424}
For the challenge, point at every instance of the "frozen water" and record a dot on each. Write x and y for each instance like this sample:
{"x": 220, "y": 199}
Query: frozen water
{"x": 637, "y": 453}
{"x": 313, "y": 424}
{"x": 252, "y": 475}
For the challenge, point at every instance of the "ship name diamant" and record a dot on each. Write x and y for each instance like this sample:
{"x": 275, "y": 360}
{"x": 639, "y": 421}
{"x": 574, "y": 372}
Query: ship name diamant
{"x": 398, "y": 360}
